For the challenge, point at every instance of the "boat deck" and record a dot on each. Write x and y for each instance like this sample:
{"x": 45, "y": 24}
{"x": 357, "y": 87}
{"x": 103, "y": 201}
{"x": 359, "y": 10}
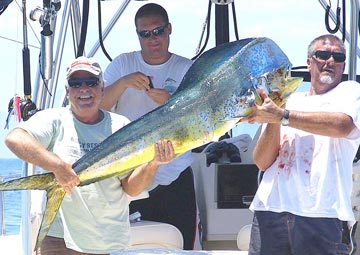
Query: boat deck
{"x": 11, "y": 245}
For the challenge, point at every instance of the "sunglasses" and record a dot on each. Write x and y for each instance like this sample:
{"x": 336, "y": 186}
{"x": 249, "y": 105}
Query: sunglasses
{"x": 89, "y": 81}
{"x": 155, "y": 32}
{"x": 325, "y": 55}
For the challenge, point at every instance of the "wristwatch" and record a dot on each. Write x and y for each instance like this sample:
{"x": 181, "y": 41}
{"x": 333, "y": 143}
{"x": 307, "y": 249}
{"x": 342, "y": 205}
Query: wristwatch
{"x": 285, "y": 118}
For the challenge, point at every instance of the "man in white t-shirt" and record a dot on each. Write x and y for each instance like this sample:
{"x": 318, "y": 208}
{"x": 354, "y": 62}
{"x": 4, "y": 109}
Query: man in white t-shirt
{"x": 306, "y": 151}
{"x": 138, "y": 82}
{"x": 92, "y": 219}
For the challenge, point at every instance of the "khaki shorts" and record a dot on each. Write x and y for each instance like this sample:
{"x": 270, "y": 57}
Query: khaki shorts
{"x": 55, "y": 246}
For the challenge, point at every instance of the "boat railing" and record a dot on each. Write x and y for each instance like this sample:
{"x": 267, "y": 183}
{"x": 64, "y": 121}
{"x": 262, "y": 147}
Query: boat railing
{"x": 2, "y": 210}
{"x": 352, "y": 36}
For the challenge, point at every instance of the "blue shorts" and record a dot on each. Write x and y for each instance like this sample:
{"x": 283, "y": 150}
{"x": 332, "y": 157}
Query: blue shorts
{"x": 288, "y": 234}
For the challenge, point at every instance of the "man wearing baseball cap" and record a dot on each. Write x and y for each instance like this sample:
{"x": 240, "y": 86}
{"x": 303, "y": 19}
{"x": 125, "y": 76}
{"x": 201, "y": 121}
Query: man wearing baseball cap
{"x": 93, "y": 219}
{"x": 84, "y": 64}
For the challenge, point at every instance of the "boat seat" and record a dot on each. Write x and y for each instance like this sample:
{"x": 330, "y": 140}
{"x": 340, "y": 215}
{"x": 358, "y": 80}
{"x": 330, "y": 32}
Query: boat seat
{"x": 355, "y": 195}
{"x": 151, "y": 234}
{"x": 243, "y": 238}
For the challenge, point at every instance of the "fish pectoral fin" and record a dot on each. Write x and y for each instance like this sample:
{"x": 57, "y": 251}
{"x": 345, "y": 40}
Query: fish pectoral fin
{"x": 236, "y": 118}
{"x": 54, "y": 197}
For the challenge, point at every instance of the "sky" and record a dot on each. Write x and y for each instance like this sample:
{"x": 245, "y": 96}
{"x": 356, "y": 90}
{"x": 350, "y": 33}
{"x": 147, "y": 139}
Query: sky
{"x": 292, "y": 24}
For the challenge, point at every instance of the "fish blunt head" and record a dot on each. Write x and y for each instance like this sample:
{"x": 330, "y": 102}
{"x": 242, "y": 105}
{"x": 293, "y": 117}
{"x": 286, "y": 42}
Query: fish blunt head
{"x": 278, "y": 84}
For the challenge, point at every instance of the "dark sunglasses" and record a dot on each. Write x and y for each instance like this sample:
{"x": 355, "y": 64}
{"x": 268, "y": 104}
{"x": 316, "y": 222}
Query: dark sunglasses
{"x": 155, "y": 32}
{"x": 325, "y": 55}
{"x": 89, "y": 81}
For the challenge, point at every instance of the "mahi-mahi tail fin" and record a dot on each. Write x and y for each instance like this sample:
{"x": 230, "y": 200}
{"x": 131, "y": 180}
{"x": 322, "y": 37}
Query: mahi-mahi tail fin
{"x": 54, "y": 197}
{"x": 38, "y": 182}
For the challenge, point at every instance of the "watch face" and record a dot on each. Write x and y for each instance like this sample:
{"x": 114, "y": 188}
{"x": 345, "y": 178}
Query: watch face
{"x": 285, "y": 122}
{"x": 285, "y": 118}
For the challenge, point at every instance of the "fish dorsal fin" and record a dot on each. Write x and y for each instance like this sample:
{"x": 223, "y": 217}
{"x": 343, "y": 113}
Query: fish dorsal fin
{"x": 210, "y": 58}
{"x": 54, "y": 197}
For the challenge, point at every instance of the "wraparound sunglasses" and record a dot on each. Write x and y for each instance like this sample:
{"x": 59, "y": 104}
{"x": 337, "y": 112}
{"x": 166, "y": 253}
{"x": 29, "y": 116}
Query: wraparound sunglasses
{"x": 325, "y": 55}
{"x": 89, "y": 81}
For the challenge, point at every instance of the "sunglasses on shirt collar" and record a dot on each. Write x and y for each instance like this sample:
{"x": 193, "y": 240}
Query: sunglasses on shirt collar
{"x": 155, "y": 32}
{"x": 325, "y": 55}
{"x": 89, "y": 81}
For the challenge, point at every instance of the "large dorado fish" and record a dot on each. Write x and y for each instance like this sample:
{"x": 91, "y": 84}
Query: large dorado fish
{"x": 219, "y": 89}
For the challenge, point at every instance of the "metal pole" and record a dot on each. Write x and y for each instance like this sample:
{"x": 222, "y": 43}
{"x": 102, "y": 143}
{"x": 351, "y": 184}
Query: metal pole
{"x": 109, "y": 27}
{"x": 351, "y": 37}
{"x": 2, "y": 210}
{"x": 354, "y": 38}
{"x": 60, "y": 49}
{"x": 25, "y": 215}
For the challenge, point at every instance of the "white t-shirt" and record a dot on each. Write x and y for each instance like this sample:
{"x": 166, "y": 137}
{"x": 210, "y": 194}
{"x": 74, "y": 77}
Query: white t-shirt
{"x": 135, "y": 103}
{"x": 312, "y": 176}
{"x": 95, "y": 218}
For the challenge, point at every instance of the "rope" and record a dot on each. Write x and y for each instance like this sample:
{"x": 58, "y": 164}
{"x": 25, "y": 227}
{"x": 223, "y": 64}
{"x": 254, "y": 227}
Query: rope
{"x": 100, "y": 32}
{"x": 327, "y": 15}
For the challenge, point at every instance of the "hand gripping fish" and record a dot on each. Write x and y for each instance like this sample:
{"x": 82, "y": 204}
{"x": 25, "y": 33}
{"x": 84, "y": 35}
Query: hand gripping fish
{"x": 218, "y": 89}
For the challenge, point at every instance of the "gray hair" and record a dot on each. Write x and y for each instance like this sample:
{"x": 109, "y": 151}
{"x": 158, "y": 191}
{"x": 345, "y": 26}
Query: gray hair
{"x": 324, "y": 38}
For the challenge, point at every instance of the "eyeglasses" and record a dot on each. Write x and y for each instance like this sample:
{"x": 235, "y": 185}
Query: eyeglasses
{"x": 89, "y": 81}
{"x": 325, "y": 55}
{"x": 155, "y": 32}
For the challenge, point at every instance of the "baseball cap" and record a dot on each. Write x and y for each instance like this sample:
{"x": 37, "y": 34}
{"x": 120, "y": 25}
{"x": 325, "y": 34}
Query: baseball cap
{"x": 83, "y": 64}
